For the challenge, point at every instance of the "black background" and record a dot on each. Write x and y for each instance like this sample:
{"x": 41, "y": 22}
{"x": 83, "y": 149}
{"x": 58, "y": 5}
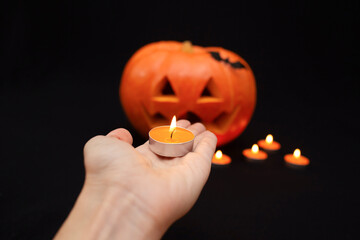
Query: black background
{"x": 61, "y": 64}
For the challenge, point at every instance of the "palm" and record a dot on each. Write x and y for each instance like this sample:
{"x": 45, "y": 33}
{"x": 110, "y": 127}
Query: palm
{"x": 167, "y": 187}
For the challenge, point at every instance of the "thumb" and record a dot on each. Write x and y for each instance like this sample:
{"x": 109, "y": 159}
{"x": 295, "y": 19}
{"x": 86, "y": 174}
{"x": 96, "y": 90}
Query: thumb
{"x": 121, "y": 134}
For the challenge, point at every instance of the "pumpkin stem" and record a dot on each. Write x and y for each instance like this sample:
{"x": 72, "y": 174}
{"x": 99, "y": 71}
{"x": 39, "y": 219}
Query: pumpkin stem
{"x": 187, "y": 47}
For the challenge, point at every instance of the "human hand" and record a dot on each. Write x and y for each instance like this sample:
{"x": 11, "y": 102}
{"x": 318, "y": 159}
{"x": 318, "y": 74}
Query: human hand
{"x": 149, "y": 191}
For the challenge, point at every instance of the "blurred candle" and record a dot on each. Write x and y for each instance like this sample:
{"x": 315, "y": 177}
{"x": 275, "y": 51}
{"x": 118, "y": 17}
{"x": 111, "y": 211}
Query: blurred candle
{"x": 220, "y": 159}
{"x": 269, "y": 144}
{"x": 254, "y": 154}
{"x": 296, "y": 160}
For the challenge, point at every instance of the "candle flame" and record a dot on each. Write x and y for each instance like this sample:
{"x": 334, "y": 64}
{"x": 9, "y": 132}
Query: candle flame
{"x": 297, "y": 153}
{"x": 218, "y": 154}
{"x": 255, "y": 148}
{"x": 269, "y": 139}
{"x": 173, "y": 124}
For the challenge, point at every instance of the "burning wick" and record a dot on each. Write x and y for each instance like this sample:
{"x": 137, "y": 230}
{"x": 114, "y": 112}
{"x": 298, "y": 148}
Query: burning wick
{"x": 172, "y": 126}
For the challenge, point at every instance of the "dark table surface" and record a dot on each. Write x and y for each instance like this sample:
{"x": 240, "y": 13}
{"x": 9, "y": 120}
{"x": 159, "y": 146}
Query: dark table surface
{"x": 61, "y": 68}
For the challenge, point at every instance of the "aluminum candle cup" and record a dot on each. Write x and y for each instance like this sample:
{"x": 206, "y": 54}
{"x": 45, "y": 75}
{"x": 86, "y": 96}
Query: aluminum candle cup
{"x": 177, "y": 144}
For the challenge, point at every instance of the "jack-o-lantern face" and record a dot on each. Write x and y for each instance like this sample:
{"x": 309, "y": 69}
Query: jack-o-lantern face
{"x": 209, "y": 85}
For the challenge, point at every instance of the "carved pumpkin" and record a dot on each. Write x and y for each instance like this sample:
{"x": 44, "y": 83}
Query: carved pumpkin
{"x": 208, "y": 84}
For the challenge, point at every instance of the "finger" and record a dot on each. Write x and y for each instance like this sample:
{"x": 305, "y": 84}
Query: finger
{"x": 199, "y": 138}
{"x": 206, "y": 145}
{"x": 183, "y": 123}
{"x": 199, "y": 161}
{"x": 197, "y": 128}
{"x": 121, "y": 134}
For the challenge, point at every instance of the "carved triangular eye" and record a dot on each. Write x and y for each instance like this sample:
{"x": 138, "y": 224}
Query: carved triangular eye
{"x": 167, "y": 88}
{"x": 210, "y": 89}
{"x": 206, "y": 92}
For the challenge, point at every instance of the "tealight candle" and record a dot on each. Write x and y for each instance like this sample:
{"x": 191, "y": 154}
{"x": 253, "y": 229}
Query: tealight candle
{"x": 220, "y": 159}
{"x": 171, "y": 141}
{"x": 269, "y": 144}
{"x": 296, "y": 160}
{"x": 254, "y": 154}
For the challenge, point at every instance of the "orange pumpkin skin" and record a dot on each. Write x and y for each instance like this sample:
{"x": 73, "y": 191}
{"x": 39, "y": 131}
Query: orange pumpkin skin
{"x": 218, "y": 94}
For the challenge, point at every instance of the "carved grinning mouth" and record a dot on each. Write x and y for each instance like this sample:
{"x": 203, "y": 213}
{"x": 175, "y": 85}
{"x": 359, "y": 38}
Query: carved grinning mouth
{"x": 219, "y": 125}
{"x": 222, "y": 122}
{"x": 192, "y": 117}
{"x": 154, "y": 120}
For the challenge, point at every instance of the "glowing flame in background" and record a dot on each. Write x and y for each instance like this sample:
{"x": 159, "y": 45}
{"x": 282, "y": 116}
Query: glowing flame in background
{"x": 255, "y": 148}
{"x": 297, "y": 153}
{"x": 218, "y": 154}
{"x": 269, "y": 139}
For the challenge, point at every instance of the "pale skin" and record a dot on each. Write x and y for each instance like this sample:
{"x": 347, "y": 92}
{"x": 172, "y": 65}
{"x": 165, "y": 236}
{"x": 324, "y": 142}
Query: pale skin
{"x": 132, "y": 193}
